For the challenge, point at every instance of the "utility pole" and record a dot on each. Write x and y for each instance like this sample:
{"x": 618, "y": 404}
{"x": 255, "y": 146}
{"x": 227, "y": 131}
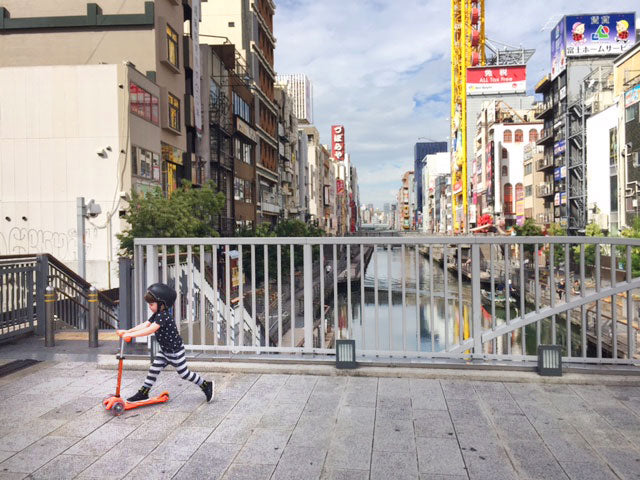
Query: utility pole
{"x": 92, "y": 209}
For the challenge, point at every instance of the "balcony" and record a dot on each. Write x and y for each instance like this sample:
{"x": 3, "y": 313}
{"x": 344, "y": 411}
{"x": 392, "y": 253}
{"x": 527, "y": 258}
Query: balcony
{"x": 543, "y": 109}
{"x": 545, "y": 218}
{"x": 269, "y": 203}
{"x": 544, "y": 190}
{"x": 546, "y": 136}
{"x": 543, "y": 163}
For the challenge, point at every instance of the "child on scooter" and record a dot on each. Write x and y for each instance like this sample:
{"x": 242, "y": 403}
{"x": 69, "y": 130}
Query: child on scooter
{"x": 160, "y": 298}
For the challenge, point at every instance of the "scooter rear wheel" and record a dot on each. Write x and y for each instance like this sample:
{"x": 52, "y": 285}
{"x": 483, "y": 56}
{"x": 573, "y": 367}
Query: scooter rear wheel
{"x": 118, "y": 408}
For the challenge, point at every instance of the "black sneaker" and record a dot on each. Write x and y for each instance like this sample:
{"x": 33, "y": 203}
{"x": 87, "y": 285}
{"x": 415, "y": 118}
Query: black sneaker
{"x": 143, "y": 394}
{"x": 207, "y": 387}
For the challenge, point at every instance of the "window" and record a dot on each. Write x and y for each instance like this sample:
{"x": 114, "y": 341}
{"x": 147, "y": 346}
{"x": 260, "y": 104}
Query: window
{"x": 631, "y": 113}
{"x": 506, "y": 136}
{"x": 232, "y": 24}
{"x": 145, "y": 163}
{"x": 533, "y": 135}
{"x": 143, "y": 104}
{"x": 508, "y": 198}
{"x": 238, "y": 189}
{"x": 519, "y": 137}
{"x": 241, "y": 108}
{"x": 505, "y": 154}
{"x": 505, "y": 171}
{"x": 528, "y": 169}
{"x": 214, "y": 91}
{"x": 248, "y": 191}
{"x": 528, "y": 191}
{"x": 242, "y": 150}
{"x": 174, "y": 112}
{"x": 172, "y": 45}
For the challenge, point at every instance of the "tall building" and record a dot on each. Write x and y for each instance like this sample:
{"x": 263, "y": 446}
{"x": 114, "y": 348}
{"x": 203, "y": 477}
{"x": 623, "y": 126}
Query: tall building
{"x": 249, "y": 26}
{"x": 582, "y": 51}
{"x": 406, "y": 197}
{"x": 299, "y": 87}
{"x": 288, "y": 170}
{"x": 88, "y": 77}
{"x": 420, "y": 151}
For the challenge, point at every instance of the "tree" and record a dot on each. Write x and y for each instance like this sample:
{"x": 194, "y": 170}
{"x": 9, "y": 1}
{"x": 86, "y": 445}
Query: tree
{"x": 187, "y": 212}
{"x": 529, "y": 229}
{"x": 631, "y": 232}
{"x": 555, "y": 230}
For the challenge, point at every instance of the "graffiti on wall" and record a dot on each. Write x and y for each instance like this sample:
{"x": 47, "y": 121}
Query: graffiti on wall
{"x": 62, "y": 245}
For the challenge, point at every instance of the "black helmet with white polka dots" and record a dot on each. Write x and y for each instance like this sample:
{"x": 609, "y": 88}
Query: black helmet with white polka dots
{"x": 161, "y": 293}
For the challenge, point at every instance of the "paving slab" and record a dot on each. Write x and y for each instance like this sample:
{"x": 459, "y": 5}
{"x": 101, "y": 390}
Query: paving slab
{"x": 286, "y": 426}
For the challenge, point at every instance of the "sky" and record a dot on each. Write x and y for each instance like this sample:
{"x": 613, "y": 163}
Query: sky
{"x": 381, "y": 68}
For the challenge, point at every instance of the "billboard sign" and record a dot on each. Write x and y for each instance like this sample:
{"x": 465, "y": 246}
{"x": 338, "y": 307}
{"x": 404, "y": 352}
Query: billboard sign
{"x": 496, "y": 80}
{"x": 558, "y": 49}
{"x": 339, "y": 187}
{"x": 337, "y": 142}
{"x": 559, "y": 148}
{"x": 599, "y": 34}
{"x": 632, "y": 96}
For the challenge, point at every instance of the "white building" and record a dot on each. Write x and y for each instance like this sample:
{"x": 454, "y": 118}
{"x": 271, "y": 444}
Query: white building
{"x": 299, "y": 87}
{"x": 64, "y": 133}
{"x": 434, "y": 165}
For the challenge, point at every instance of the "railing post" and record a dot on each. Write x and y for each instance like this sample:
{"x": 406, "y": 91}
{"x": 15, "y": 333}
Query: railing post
{"x": 42, "y": 280}
{"x": 125, "y": 305}
{"x": 152, "y": 277}
{"x": 476, "y": 302}
{"x": 308, "y": 297}
{"x": 49, "y": 301}
{"x": 93, "y": 316}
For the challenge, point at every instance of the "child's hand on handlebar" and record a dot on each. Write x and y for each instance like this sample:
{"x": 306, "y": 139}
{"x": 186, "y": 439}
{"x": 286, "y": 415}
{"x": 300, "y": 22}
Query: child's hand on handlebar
{"x": 126, "y": 337}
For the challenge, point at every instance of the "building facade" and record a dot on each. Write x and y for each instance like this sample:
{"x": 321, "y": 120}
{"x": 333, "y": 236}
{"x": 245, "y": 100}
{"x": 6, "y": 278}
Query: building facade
{"x": 420, "y": 151}
{"x": 300, "y": 89}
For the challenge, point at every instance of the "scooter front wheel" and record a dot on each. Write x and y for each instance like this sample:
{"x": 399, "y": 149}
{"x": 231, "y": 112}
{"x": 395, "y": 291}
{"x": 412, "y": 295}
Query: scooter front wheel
{"x": 118, "y": 408}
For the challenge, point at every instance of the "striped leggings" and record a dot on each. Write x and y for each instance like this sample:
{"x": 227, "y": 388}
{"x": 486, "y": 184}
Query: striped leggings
{"x": 178, "y": 360}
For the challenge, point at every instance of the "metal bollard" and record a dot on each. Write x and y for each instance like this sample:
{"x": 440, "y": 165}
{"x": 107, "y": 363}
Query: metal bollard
{"x": 93, "y": 317}
{"x": 49, "y": 304}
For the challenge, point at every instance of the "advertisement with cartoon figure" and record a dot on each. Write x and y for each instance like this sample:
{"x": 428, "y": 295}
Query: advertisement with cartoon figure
{"x": 601, "y": 34}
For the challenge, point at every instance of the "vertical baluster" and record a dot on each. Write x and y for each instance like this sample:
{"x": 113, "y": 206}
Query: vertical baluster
{"x": 240, "y": 310}
{"x": 203, "y": 281}
{"x": 335, "y": 292}
{"x": 614, "y": 304}
{"x": 583, "y": 318}
{"x": 404, "y": 300}
{"x": 567, "y": 294}
{"x": 375, "y": 295}
{"x": 227, "y": 284}
{"x": 165, "y": 274}
{"x": 178, "y": 306}
{"x": 445, "y": 255}
{"x": 362, "y": 320}
{"x": 349, "y": 307}
{"x": 598, "y": 306}
{"x": 390, "y": 297}
{"x": 460, "y": 306}
{"x": 216, "y": 295}
{"x": 552, "y": 290}
{"x": 266, "y": 297}
{"x": 630, "y": 332}
{"x": 536, "y": 267}
{"x": 322, "y": 278}
{"x": 189, "y": 302}
{"x": 493, "y": 293}
{"x": 507, "y": 293}
{"x": 254, "y": 340}
{"x": 279, "y": 264}
{"x": 523, "y": 291}
{"x": 431, "y": 325}
{"x": 292, "y": 285}
{"x": 417, "y": 276}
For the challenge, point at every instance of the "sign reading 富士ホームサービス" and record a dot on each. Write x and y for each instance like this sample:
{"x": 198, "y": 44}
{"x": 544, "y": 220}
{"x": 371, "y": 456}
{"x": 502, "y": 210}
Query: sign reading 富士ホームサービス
{"x": 490, "y": 80}
{"x": 337, "y": 142}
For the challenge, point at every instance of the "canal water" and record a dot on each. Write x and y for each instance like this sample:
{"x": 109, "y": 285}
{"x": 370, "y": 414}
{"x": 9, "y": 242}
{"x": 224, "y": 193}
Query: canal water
{"x": 437, "y": 322}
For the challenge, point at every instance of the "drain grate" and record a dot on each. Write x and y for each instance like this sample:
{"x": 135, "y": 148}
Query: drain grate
{"x": 15, "y": 366}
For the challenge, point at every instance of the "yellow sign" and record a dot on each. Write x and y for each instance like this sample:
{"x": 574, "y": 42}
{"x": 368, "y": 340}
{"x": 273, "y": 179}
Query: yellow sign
{"x": 171, "y": 154}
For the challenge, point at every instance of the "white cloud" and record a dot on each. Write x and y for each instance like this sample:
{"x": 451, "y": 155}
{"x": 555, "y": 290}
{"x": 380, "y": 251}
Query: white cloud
{"x": 369, "y": 60}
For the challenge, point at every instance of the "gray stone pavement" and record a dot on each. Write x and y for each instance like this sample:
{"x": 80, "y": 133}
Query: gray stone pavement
{"x": 263, "y": 426}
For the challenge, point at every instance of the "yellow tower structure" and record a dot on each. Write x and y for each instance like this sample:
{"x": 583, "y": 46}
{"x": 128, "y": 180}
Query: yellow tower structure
{"x": 467, "y": 50}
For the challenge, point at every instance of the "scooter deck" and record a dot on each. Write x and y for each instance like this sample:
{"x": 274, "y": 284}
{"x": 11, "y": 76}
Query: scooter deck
{"x": 162, "y": 398}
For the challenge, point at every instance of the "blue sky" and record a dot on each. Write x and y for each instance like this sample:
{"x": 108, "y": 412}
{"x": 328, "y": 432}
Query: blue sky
{"x": 382, "y": 68}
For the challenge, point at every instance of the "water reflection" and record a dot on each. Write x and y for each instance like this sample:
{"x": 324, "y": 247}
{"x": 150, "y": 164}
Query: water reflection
{"x": 428, "y": 322}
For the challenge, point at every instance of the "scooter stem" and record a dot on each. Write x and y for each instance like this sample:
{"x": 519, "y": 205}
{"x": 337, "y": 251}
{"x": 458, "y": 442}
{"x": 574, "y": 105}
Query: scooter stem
{"x": 120, "y": 360}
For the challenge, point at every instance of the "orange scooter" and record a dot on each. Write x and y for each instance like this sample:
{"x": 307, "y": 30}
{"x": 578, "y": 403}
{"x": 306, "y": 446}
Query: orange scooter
{"x": 116, "y": 403}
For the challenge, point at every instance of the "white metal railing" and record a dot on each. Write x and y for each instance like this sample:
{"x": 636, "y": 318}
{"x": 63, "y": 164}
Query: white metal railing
{"x": 448, "y": 297}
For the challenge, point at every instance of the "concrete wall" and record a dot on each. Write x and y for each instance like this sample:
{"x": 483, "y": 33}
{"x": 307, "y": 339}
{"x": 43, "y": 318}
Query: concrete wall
{"x": 53, "y": 120}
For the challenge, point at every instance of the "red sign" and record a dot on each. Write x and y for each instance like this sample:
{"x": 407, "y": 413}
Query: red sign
{"x": 491, "y": 80}
{"x": 340, "y": 187}
{"x": 337, "y": 142}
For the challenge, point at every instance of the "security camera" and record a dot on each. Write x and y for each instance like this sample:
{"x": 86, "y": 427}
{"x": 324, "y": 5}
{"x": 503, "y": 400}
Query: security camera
{"x": 93, "y": 209}
{"x": 102, "y": 153}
